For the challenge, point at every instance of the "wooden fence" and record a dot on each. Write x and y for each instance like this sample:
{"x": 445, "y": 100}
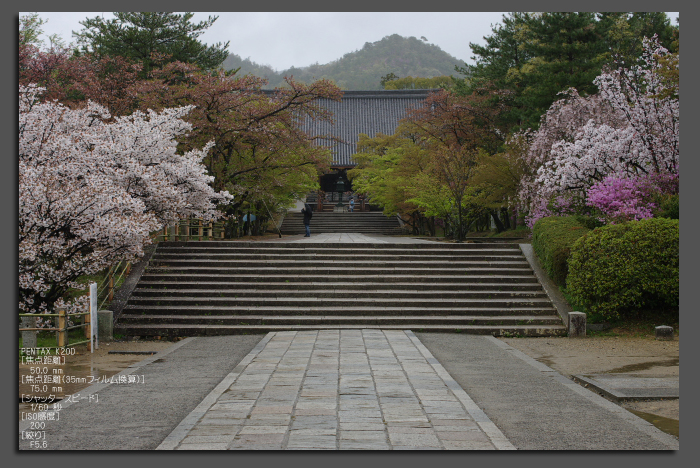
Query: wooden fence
{"x": 62, "y": 327}
{"x": 192, "y": 229}
{"x": 105, "y": 289}
{"x": 88, "y": 323}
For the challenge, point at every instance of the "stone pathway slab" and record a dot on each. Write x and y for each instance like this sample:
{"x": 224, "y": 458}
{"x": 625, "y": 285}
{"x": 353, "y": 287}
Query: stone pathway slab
{"x": 338, "y": 390}
{"x": 630, "y": 387}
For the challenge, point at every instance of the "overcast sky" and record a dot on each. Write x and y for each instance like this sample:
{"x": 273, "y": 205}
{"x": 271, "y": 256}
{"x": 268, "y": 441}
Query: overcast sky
{"x": 282, "y": 40}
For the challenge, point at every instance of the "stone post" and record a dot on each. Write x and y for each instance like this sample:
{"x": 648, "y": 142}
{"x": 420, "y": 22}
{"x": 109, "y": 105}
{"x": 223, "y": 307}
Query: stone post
{"x": 105, "y": 325}
{"x": 664, "y": 333}
{"x": 29, "y": 337}
{"x": 577, "y": 324}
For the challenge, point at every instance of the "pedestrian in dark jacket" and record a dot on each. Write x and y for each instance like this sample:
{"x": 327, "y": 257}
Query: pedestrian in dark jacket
{"x": 307, "y": 212}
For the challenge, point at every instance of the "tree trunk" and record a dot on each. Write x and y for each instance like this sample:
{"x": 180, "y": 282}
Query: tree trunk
{"x": 506, "y": 217}
{"x": 499, "y": 225}
{"x": 459, "y": 222}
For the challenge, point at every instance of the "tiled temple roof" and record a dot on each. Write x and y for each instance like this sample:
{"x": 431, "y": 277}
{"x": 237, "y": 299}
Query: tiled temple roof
{"x": 366, "y": 112}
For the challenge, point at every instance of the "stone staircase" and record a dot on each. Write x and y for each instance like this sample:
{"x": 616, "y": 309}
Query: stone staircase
{"x": 367, "y": 222}
{"x": 218, "y": 288}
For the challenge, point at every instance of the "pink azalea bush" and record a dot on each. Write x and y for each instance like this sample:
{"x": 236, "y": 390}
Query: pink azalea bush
{"x": 621, "y": 199}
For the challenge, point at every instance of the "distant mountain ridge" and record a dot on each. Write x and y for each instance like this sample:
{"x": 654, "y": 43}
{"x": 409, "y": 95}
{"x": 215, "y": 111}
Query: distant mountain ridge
{"x": 363, "y": 69}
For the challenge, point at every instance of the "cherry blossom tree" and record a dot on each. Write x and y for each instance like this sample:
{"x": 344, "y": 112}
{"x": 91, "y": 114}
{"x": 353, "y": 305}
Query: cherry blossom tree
{"x": 92, "y": 188}
{"x": 629, "y": 129}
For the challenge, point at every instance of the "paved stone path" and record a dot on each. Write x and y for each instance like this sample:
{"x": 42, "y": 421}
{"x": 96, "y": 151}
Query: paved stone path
{"x": 337, "y": 389}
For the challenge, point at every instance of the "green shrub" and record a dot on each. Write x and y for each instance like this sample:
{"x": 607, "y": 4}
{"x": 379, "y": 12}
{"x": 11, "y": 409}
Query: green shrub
{"x": 669, "y": 207}
{"x": 552, "y": 239}
{"x": 591, "y": 222}
{"x": 621, "y": 270}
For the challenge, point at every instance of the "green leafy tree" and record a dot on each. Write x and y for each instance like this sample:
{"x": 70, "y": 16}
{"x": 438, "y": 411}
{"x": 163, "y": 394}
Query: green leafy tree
{"x": 498, "y": 64}
{"x": 567, "y": 52}
{"x": 429, "y": 164}
{"x": 498, "y": 177}
{"x": 535, "y": 56}
{"x": 140, "y": 35}
{"x": 457, "y": 130}
{"x": 387, "y": 78}
{"x": 410, "y": 82}
{"x": 259, "y": 147}
{"x": 383, "y": 162}
{"x": 390, "y": 169}
{"x": 30, "y": 30}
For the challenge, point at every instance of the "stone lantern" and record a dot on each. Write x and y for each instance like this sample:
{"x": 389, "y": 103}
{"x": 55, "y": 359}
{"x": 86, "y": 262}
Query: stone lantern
{"x": 340, "y": 188}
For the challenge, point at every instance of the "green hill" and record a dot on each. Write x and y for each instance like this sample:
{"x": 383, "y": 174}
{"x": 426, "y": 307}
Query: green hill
{"x": 363, "y": 69}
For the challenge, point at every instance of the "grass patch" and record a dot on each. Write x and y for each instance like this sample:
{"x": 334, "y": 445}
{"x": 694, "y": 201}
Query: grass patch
{"x": 642, "y": 326}
{"x": 102, "y": 280}
{"x": 48, "y": 339}
{"x": 639, "y": 326}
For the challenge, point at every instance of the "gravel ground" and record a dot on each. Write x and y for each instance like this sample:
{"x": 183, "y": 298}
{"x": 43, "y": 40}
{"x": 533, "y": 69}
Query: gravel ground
{"x": 139, "y": 415}
{"x": 97, "y": 364}
{"x": 597, "y": 355}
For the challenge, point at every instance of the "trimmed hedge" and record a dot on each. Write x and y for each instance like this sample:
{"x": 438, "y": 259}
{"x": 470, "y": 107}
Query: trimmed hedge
{"x": 618, "y": 270}
{"x": 552, "y": 239}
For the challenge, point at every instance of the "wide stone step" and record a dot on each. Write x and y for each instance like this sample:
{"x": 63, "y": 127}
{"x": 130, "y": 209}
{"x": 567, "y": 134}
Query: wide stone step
{"x": 317, "y": 231}
{"x": 339, "y": 319}
{"x": 350, "y": 225}
{"x": 347, "y": 309}
{"x": 303, "y": 302}
{"x": 341, "y": 218}
{"x": 269, "y": 247}
{"x": 336, "y": 303}
{"x": 345, "y": 264}
{"x": 349, "y": 271}
{"x": 350, "y": 222}
{"x": 225, "y": 287}
{"x": 336, "y": 229}
{"x": 212, "y": 330}
{"x": 356, "y": 256}
{"x": 359, "y": 215}
{"x": 360, "y": 255}
{"x": 430, "y": 293}
{"x": 422, "y": 280}
{"x": 293, "y": 287}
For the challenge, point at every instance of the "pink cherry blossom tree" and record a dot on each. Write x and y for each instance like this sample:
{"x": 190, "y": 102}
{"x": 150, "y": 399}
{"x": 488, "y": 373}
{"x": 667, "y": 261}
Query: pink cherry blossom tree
{"x": 629, "y": 129}
{"x": 92, "y": 189}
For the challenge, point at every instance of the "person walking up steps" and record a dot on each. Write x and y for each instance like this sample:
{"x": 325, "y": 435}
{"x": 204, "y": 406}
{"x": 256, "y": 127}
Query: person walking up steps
{"x": 352, "y": 205}
{"x": 307, "y": 212}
